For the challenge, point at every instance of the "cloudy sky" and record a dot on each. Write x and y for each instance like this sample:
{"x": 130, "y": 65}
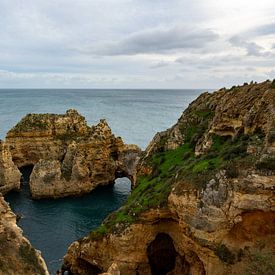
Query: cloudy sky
{"x": 135, "y": 43}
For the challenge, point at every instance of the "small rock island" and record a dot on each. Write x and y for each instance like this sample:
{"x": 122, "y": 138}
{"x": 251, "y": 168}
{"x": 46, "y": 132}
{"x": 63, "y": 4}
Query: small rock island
{"x": 203, "y": 190}
{"x": 68, "y": 157}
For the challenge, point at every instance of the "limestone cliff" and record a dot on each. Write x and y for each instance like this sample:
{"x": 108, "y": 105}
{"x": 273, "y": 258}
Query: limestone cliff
{"x": 9, "y": 173}
{"x": 69, "y": 157}
{"x": 203, "y": 201}
{"x": 17, "y": 254}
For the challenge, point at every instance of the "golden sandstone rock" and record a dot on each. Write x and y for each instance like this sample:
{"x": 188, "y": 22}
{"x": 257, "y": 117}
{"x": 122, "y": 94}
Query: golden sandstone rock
{"x": 69, "y": 157}
{"x": 203, "y": 197}
{"x": 17, "y": 254}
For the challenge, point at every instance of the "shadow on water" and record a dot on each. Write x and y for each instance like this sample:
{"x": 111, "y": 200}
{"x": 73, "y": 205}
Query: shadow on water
{"x": 52, "y": 225}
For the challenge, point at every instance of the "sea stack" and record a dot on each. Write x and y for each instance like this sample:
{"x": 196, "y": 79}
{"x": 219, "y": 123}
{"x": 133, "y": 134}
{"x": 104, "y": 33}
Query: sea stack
{"x": 68, "y": 157}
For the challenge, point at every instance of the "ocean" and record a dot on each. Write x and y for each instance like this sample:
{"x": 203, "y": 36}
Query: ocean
{"x": 135, "y": 115}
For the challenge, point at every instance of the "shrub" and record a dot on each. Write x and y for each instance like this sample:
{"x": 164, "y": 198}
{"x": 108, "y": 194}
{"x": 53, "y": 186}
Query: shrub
{"x": 261, "y": 263}
{"x": 231, "y": 171}
{"x": 267, "y": 163}
{"x": 271, "y": 136}
{"x": 225, "y": 254}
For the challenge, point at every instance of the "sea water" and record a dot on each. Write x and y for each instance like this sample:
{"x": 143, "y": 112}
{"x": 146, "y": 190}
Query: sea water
{"x": 135, "y": 115}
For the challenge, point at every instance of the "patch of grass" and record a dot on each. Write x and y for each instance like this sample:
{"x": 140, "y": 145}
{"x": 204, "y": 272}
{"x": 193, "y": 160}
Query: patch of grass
{"x": 204, "y": 113}
{"x": 171, "y": 159}
{"x": 169, "y": 167}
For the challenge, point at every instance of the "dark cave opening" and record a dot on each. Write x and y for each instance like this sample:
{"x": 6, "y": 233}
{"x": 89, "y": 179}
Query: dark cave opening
{"x": 88, "y": 268}
{"x": 161, "y": 254}
{"x": 26, "y": 173}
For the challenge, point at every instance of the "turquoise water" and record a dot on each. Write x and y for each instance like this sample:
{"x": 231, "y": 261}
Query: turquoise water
{"x": 135, "y": 115}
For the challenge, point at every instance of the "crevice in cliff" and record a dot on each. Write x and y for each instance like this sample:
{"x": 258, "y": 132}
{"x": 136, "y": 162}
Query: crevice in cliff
{"x": 26, "y": 174}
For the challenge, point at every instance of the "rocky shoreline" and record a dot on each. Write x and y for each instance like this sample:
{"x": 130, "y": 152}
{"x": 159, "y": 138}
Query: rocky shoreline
{"x": 203, "y": 199}
{"x": 203, "y": 190}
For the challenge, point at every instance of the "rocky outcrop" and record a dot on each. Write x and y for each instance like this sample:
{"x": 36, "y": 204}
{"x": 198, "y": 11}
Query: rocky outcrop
{"x": 69, "y": 157}
{"x": 44, "y": 136}
{"x": 203, "y": 201}
{"x": 17, "y": 254}
{"x": 9, "y": 173}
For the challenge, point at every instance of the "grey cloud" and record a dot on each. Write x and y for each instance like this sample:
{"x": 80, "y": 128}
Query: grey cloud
{"x": 266, "y": 29}
{"x": 156, "y": 41}
{"x": 251, "y": 48}
{"x": 160, "y": 64}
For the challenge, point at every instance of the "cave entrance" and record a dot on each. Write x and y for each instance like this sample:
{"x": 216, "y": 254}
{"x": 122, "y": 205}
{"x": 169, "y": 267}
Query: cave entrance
{"x": 26, "y": 173}
{"x": 161, "y": 254}
{"x": 87, "y": 267}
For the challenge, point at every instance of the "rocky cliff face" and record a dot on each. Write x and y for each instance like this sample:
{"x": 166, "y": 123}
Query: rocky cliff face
{"x": 69, "y": 157}
{"x": 203, "y": 201}
{"x": 9, "y": 173}
{"x": 17, "y": 254}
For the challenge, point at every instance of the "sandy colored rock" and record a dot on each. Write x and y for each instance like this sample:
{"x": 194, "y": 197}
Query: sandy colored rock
{"x": 17, "y": 254}
{"x": 69, "y": 157}
{"x": 9, "y": 173}
{"x": 218, "y": 216}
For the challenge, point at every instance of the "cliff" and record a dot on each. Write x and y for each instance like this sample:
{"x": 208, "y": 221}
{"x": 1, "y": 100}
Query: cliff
{"x": 9, "y": 173}
{"x": 203, "y": 197}
{"x": 17, "y": 254}
{"x": 69, "y": 157}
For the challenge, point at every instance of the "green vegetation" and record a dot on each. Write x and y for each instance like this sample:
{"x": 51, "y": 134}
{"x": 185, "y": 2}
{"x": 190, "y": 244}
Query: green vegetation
{"x": 273, "y": 84}
{"x": 31, "y": 122}
{"x": 267, "y": 163}
{"x": 225, "y": 254}
{"x": 181, "y": 165}
{"x": 271, "y": 136}
{"x": 261, "y": 263}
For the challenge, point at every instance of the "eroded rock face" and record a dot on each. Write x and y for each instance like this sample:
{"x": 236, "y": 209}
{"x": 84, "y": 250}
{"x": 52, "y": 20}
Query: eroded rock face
{"x": 17, "y": 254}
{"x": 44, "y": 136}
{"x": 9, "y": 173}
{"x": 69, "y": 157}
{"x": 207, "y": 184}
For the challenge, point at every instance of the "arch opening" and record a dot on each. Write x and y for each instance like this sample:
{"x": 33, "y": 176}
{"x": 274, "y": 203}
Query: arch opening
{"x": 122, "y": 186}
{"x": 26, "y": 173}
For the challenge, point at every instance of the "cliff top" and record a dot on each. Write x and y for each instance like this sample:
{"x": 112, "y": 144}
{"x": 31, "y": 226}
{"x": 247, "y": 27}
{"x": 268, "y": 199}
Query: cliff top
{"x": 50, "y": 124}
{"x": 229, "y": 132}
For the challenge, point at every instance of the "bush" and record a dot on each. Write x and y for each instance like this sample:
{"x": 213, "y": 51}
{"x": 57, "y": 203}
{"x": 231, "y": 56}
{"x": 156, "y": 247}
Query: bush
{"x": 225, "y": 254}
{"x": 268, "y": 163}
{"x": 271, "y": 136}
{"x": 232, "y": 171}
{"x": 261, "y": 263}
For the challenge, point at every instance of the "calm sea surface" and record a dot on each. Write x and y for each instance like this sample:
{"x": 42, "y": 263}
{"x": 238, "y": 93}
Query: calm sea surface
{"x": 135, "y": 115}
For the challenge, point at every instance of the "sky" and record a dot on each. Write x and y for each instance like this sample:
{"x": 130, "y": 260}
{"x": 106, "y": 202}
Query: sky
{"x": 167, "y": 44}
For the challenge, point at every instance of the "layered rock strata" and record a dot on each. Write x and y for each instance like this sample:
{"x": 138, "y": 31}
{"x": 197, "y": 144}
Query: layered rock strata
{"x": 203, "y": 201}
{"x": 17, "y": 254}
{"x": 9, "y": 173}
{"x": 69, "y": 157}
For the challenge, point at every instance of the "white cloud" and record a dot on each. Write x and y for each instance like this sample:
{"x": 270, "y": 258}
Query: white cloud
{"x": 135, "y": 43}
